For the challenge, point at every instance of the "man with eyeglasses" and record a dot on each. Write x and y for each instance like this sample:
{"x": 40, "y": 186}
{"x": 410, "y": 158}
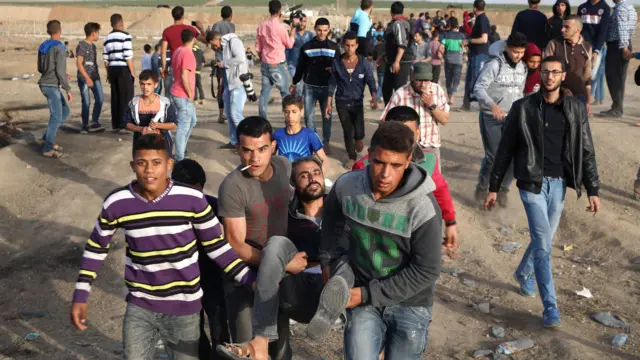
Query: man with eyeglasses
{"x": 558, "y": 124}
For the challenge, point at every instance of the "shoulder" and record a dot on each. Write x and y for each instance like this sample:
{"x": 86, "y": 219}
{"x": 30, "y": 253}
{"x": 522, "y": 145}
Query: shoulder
{"x": 230, "y": 183}
{"x": 279, "y": 134}
{"x": 186, "y": 191}
{"x": 121, "y": 193}
{"x": 281, "y": 162}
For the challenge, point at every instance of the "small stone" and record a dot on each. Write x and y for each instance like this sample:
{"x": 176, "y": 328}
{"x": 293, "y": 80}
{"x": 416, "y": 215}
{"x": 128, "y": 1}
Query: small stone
{"x": 619, "y": 340}
{"x": 32, "y": 336}
{"x": 497, "y": 332}
{"x": 635, "y": 260}
{"x": 119, "y": 139}
{"x": 505, "y": 231}
{"x": 469, "y": 283}
{"x": 446, "y": 298}
{"x": 484, "y": 307}
{"x": 451, "y": 271}
{"x": 481, "y": 353}
{"x": 164, "y": 356}
{"x": 28, "y": 166}
{"x": 498, "y": 356}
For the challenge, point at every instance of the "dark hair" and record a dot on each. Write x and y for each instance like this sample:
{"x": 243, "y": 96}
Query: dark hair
{"x": 53, "y": 27}
{"x": 254, "y": 126}
{"x": 366, "y": 4}
{"x": 274, "y": 7}
{"x": 90, "y": 28}
{"x": 446, "y": 16}
{"x": 66, "y": 43}
{"x": 212, "y": 35}
{"x": 494, "y": 27}
{"x": 177, "y": 13}
{"x": 435, "y": 33}
{"x": 480, "y": 5}
{"x": 226, "y": 12}
{"x": 147, "y": 48}
{"x": 189, "y": 172}
{"x": 534, "y": 2}
{"x": 453, "y": 22}
{"x": 303, "y": 160}
{"x": 351, "y": 35}
{"x": 422, "y": 35}
{"x": 115, "y": 19}
{"x": 322, "y": 22}
{"x": 397, "y": 8}
{"x": 393, "y": 136}
{"x": 402, "y": 114}
{"x": 148, "y": 74}
{"x": 518, "y": 40}
{"x": 292, "y": 100}
{"x": 149, "y": 142}
{"x": 187, "y": 35}
{"x": 157, "y": 47}
{"x": 421, "y": 15}
{"x": 411, "y": 15}
{"x": 380, "y": 27}
{"x": 554, "y": 58}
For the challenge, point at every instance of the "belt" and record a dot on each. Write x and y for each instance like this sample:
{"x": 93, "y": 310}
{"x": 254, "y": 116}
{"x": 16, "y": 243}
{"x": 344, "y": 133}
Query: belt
{"x": 275, "y": 65}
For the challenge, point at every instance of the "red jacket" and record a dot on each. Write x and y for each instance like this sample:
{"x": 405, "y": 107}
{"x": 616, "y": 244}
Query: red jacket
{"x": 466, "y": 27}
{"x": 533, "y": 79}
{"x": 429, "y": 161}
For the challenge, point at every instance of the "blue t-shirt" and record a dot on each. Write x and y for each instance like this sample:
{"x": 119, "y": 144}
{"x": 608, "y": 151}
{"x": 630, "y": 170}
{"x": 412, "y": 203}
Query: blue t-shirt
{"x": 304, "y": 143}
{"x": 363, "y": 21}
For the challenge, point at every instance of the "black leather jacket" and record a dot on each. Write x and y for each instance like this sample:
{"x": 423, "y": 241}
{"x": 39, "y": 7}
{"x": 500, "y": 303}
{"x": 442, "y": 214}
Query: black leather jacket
{"x": 522, "y": 141}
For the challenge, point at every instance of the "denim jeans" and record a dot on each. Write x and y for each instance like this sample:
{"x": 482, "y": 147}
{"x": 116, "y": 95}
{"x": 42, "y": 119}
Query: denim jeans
{"x": 543, "y": 213}
{"x": 234, "y": 101}
{"x": 158, "y": 89}
{"x": 597, "y": 86}
{"x": 452, "y": 73}
{"x": 98, "y": 96}
{"x": 168, "y": 83}
{"x": 186, "y": 122}
{"x": 58, "y": 113}
{"x": 272, "y": 75}
{"x": 380, "y": 82}
{"x": 473, "y": 70}
{"x": 142, "y": 329}
{"x": 491, "y": 133}
{"x": 401, "y": 331}
{"x": 312, "y": 95}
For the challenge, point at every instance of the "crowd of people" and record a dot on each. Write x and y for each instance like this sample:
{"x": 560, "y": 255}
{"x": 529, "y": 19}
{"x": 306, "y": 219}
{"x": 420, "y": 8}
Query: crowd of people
{"x": 274, "y": 246}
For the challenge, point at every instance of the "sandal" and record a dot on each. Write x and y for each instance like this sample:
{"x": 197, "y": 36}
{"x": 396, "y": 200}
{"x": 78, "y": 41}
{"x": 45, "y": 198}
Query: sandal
{"x": 56, "y": 147}
{"x": 233, "y": 351}
{"x": 54, "y": 154}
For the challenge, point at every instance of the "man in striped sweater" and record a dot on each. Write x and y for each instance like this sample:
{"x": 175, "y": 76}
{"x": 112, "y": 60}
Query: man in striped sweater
{"x": 163, "y": 221}
{"x": 118, "y": 60}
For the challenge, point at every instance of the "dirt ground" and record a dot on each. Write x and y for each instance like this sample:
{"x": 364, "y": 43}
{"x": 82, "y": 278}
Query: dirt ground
{"x": 48, "y": 208}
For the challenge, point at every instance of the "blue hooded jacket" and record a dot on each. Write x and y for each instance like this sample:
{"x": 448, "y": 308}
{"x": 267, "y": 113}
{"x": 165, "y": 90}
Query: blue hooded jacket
{"x": 52, "y": 64}
{"x": 349, "y": 89}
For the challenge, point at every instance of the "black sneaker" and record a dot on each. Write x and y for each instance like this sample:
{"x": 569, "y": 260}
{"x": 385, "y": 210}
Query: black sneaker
{"x": 96, "y": 127}
{"x": 84, "y": 130}
{"x": 228, "y": 146}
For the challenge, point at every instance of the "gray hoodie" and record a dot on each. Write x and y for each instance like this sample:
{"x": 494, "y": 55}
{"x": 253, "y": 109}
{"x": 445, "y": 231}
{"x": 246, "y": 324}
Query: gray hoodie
{"x": 498, "y": 82}
{"x": 235, "y": 59}
{"x": 393, "y": 244}
{"x": 52, "y": 64}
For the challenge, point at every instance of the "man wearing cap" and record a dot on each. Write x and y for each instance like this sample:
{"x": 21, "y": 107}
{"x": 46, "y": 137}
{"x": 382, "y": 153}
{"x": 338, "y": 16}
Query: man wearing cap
{"x": 428, "y": 99}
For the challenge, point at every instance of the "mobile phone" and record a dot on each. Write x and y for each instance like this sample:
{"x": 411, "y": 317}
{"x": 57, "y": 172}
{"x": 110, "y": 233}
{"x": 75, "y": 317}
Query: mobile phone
{"x": 193, "y": 23}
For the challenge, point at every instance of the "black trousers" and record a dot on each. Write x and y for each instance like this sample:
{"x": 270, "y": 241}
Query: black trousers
{"x": 436, "y": 73}
{"x": 121, "y": 93}
{"x": 615, "y": 71}
{"x": 214, "y": 306}
{"x": 393, "y": 82}
{"x": 352, "y": 120}
{"x": 199, "y": 89}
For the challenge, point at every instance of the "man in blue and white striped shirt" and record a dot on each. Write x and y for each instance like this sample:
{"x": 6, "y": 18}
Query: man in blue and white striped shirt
{"x": 118, "y": 60}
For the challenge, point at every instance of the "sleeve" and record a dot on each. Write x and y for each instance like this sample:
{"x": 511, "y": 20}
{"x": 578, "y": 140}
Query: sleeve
{"x": 61, "y": 69}
{"x": 259, "y": 41}
{"x": 105, "y": 52}
{"x": 127, "y": 48}
{"x": 516, "y": 24}
{"x": 586, "y": 75}
{"x": 332, "y": 227}
{"x": 395, "y": 101}
{"x": 231, "y": 200}
{"x": 401, "y": 36}
{"x": 165, "y": 36}
{"x": 237, "y": 54}
{"x": 605, "y": 22}
{"x": 128, "y": 115}
{"x": 286, "y": 38}
{"x": 332, "y": 84}
{"x": 422, "y": 271}
{"x": 590, "y": 177}
{"x": 95, "y": 252}
{"x": 443, "y": 196}
{"x": 506, "y": 148}
{"x": 301, "y": 68}
{"x": 359, "y": 165}
{"x": 209, "y": 233}
{"x": 442, "y": 101}
{"x": 315, "y": 143}
{"x": 486, "y": 26}
{"x": 487, "y": 76}
{"x": 549, "y": 50}
{"x": 369, "y": 78}
{"x": 80, "y": 50}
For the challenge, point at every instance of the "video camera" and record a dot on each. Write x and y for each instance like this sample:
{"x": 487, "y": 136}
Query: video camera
{"x": 248, "y": 86}
{"x": 294, "y": 13}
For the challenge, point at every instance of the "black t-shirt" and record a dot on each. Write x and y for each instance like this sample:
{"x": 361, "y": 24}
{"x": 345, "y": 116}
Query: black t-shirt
{"x": 554, "y": 133}
{"x": 481, "y": 26}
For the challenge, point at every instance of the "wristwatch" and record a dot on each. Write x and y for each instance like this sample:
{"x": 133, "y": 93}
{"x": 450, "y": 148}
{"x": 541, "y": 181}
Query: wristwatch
{"x": 432, "y": 107}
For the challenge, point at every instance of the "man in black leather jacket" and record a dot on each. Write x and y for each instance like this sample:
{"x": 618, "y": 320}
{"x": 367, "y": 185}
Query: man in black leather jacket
{"x": 547, "y": 136}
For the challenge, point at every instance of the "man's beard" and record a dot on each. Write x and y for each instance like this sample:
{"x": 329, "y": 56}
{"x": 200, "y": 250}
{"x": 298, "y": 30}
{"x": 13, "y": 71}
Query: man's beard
{"x": 545, "y": 90}
{"x": 305, "y": 195}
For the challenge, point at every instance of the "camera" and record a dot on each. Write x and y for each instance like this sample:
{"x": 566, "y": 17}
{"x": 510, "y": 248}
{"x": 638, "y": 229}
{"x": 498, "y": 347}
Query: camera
{"x": 294, "y": 13}
{"x": 248, "y": 86}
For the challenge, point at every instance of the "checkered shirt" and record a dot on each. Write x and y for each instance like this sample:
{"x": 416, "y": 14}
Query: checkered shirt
{"x": 623, "y": 24}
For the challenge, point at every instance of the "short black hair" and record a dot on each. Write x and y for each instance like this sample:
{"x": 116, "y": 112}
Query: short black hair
{"x": 274, "y": 7}
{"x": 446, "y": 16}
{"x": 393, "y": 136}
{"x": 397, "y": 8}
{"x": 366, "y": 4}
{"x": 91, "y": 27}
{"x": 53, "y": 27}
{"x": 66, "y": 43}
{"x": 554, "y": 58}
{"x": 254, "y": 126}
{"x": 190, "y": 172}
{"x": 303, "y": 160}
{"x": 421, "y": 15}
{"x": 494, "y": 27}
{"x": 149, "y": 142}
{"x": 177, "y": 12}
{"x": 292, "y": 100}
{"x": 187, "y": 35}
{"x": 435, "y": 33}
{"x": 148, "y": 74}
{"x": 453, "y": 22}
{"x": 322, "y": 22}
{"x": 518, "y": 40}
{"x": 480, "y": 5}
{"x": 422, "y": 35}
{"x": 212, "y": 35}
{"x": 226, "y": 12}
{"x": 157, "y": 47}
{"x": 115, "y": 19}
{"x": 534, "y": 2}
{"x": 350, "y": 35}
{"x": 147, "y": 48}
{"x": 411, "y": 15}
{"x": 402, "y": 114}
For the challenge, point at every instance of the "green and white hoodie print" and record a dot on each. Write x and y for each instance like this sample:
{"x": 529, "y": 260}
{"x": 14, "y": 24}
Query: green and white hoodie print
{"x": 499, "y": 82}
{"x": 393, "y": 244}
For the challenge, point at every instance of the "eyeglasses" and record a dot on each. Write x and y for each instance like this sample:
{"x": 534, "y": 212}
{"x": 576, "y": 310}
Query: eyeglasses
{"x": 554, "y": 73}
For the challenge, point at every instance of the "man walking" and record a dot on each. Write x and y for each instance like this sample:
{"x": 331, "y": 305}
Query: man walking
{"x": 500, "y": 83}
{"x": 89, "y": 78}
{"x": 293, "y": 55}
{"x": 314, "y": 67}
{"x": 530, "y": 22}
{"x": 183, "y": 91}
{"x": 568, "y": 160}
{"x": 478, "y": 50}
{"x": 620, "y": 34}
{"x": 576, "y": 54}
{"x": 397, "y": 40}
{"x": 271, "y": 42}
{"x": 223, "y": 27}
{"x": 595, "y": 16}
{"x": 361, "y": 24}
{"x": 118, "y": 60}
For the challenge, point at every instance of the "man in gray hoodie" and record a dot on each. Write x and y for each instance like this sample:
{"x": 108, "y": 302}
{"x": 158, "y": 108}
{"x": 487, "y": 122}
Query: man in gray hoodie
{"x": 52, "y": 65}
{"x": 234, "y": 64}
{"x": 500, "y": 83}
{"x": 381, "y": 239}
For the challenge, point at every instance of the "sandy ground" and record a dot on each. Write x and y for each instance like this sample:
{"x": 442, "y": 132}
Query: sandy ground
{"x": 48, "y": 208}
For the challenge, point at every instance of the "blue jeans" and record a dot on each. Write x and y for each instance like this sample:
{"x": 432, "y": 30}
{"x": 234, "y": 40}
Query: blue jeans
{"x": 380, "y": 82}
{"x": 59, "y": 112}
{"x": 597, "y": 85}
{"x": 491, "y": 133}
{"x": 186, "y": 122}
{"x": 401, "y": 331}
{"x": 474, "y": 66}
{"x": 168, "y": 83}
{"x": 142, "y": 329}
{"x": 312, "y": 95}
{"x": 272, "y": 75}
{"x": 234, "y": 101}
{"x": 543, "y": 213}
{"x": 158, "y": 89}
{"x": 98, "y": 96}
